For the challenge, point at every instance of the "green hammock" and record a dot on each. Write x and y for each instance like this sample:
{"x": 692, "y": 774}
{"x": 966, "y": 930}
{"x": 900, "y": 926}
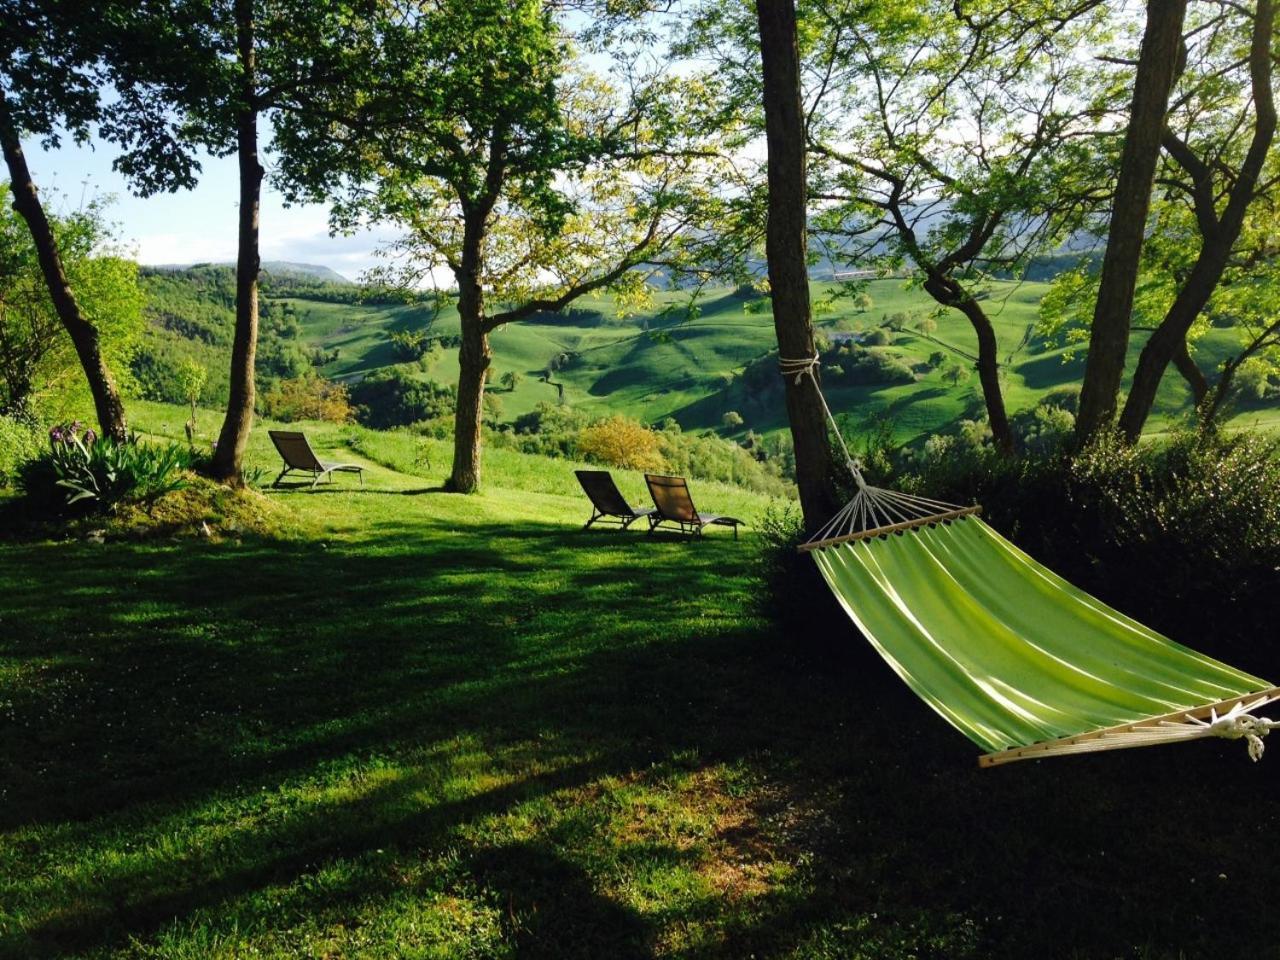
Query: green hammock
{"x": 1018, "y": 660}
{"x": 1013, "y": 655}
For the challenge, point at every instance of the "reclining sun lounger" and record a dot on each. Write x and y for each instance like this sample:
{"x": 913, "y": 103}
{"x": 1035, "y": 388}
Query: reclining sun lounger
{"x": 675, "y": 505}
{"x": 293, "y": 447}
{"x": 608, "y": 505}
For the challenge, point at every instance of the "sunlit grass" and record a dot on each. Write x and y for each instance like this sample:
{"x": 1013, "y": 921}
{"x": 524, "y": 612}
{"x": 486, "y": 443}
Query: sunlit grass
{"x": 425, "y": 725}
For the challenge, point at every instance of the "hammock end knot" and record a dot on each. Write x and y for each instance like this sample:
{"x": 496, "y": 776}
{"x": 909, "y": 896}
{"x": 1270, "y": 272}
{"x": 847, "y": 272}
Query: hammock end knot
{"x": 1237, "y": 725}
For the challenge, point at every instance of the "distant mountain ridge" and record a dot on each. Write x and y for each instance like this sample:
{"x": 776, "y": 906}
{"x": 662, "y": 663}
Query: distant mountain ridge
{"x": 279, "y": 268}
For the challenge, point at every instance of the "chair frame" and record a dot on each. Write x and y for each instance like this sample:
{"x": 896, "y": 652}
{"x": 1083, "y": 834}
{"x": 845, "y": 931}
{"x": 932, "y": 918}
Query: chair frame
{"x": 688, "y": 527}
{"x": 319, "y": 469}
{"x": 604, "y": 516}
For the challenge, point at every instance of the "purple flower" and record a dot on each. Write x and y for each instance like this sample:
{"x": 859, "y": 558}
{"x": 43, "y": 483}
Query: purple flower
{"x": 56, "y": 434}
{"x": 90, "y": 436}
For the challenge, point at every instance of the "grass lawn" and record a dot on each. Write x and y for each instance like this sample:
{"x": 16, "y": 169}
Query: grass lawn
{"x": 429, "y": 725}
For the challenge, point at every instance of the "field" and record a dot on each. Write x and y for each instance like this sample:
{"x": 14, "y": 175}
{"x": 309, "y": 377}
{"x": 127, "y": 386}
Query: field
{"x": 413, "y": 724}
{"x": 683, "y": 367}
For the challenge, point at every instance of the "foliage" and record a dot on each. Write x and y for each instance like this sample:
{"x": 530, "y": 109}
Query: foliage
{"x": 82, "y": 472}
{"x": 396, "y": 396}
{"x": 37, "y": 359}
{"x": 622, "y": 442}
{"x": 309, "y": 397}
{"x": 20, "y": 441}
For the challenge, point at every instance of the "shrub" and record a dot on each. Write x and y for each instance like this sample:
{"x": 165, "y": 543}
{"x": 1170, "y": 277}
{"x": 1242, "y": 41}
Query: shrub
{"x": 394, "y": 397}
{"x": 492, "y": 409}
{"x": 621, "y": 442}
{"x": 309, "y": 397}
{"x": 875, "y": 366}
{"x": 732, "y": 420}
{"x": 409, "y": 344}
{"x": 19, "y": 442}
{"x": 81, "y": 471}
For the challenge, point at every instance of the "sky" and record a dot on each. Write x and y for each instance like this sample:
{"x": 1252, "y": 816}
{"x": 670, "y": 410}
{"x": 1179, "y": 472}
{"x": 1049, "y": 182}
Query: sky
{"x": 197, "y": 225}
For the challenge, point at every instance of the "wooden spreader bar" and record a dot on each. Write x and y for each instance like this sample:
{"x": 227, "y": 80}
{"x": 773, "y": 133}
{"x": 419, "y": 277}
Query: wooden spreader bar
{"x": 890, "y": 528}
{"x": 1049, "y": 748}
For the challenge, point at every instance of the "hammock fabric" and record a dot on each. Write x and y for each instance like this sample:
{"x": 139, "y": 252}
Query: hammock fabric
{"x": 1017, "y": 659}
{"x": 1013, "y": 656}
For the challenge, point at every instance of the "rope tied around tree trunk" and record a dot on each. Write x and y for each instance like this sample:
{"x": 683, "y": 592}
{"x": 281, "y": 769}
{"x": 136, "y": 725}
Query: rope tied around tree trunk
{"x": 872, "y": 511}
{"x": 807, "y": 366}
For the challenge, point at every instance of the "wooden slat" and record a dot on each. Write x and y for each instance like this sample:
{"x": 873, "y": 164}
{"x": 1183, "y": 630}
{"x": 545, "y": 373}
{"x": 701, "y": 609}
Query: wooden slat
{"x": 891, "y": 528}
{"x": 1049, "y": 747}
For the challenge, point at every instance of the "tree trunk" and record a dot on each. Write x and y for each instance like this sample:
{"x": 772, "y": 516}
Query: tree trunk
{"x": 1109, "y": 334}
{"x": 228, "y": 459}
{"x": 474, "y": 357}
{"x": 1191, "y": 373}
{"x": 786, "y": 243}
{"x": 84, "y": 335}
{"x": 1217, "y": 239}
{"x": 989, "y": 373}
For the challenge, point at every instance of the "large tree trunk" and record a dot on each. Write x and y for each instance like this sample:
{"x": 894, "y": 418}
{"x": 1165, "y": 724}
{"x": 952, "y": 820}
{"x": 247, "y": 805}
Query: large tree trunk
{"x": 228, "y": 459}
{"x": 785, "y": 243}
{"x": 474, "y": 356}
{"x": 1109, "y": 334}
{"x": 1216, "y": 243}
{"x": 84, "y": 335}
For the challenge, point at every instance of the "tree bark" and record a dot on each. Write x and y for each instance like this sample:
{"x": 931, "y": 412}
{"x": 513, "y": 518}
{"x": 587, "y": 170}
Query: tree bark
{"x": 228, "y": 458}
{"x": 1219, "y": 235}
{"x": 1109, "y": 334}
{"x": 1191, "y": 373}
{"x": 84, "y": 335}
{"x": 786, "y": 245}
{"x": 474, "y": 357}
{"x": 988, "y": 369}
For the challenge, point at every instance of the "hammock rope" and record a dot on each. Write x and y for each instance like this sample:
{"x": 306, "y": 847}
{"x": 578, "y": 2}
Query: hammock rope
{"x": 873, "y": 511}
{"x": 1019, "y": 660}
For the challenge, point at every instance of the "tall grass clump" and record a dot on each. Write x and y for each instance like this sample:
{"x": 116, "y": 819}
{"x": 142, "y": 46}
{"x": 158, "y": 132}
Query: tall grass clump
{"x": 20, "y": 442}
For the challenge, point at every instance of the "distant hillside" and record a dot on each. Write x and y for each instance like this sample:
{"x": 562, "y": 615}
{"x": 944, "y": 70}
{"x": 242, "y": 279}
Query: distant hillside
{"x": 895, "y": 361}
{"x": 277, "y": 268}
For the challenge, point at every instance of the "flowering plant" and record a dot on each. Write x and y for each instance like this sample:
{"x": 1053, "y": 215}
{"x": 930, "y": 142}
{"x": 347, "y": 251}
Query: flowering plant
{"x": 83, "y": 470}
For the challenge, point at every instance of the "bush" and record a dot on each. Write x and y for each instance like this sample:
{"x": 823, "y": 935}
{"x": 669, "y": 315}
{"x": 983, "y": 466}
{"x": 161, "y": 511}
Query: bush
{"x": 309, "y": 397}
{"x": 875, "y": 366}
{"x": 19, "y": 442}
{"x": 732, "y": 420}
{"x": 394, "y": 397}
{"x": 83, "y": 472}
{"x": 621, "y": 442}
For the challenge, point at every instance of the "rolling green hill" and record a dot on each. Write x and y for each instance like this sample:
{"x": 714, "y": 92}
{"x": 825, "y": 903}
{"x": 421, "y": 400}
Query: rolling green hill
{"x": 696, "y": 368}
{"x": 691, "y": 368}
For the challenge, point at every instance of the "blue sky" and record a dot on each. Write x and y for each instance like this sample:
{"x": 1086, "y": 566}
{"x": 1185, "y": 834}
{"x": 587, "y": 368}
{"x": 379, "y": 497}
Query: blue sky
{"x": 196, "y": 225}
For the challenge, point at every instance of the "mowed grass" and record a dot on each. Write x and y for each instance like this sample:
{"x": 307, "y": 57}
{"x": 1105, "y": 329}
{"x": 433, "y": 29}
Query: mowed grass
{"x": 429, "y": 725}
{"x": 653, "y": 366}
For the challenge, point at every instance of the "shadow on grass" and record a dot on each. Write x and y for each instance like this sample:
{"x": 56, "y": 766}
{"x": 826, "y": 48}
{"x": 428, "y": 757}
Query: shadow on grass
{"x": 246, "y": 738}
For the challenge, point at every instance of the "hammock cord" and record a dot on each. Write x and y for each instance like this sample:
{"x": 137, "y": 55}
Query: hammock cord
{"x": 872, "y": 508}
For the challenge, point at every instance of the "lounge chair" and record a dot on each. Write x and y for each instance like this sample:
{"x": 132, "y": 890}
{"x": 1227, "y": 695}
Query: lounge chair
{"x": 608, "y": 505}
{"x": 675, "y": 505}
{"x": 297, "y": 454}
